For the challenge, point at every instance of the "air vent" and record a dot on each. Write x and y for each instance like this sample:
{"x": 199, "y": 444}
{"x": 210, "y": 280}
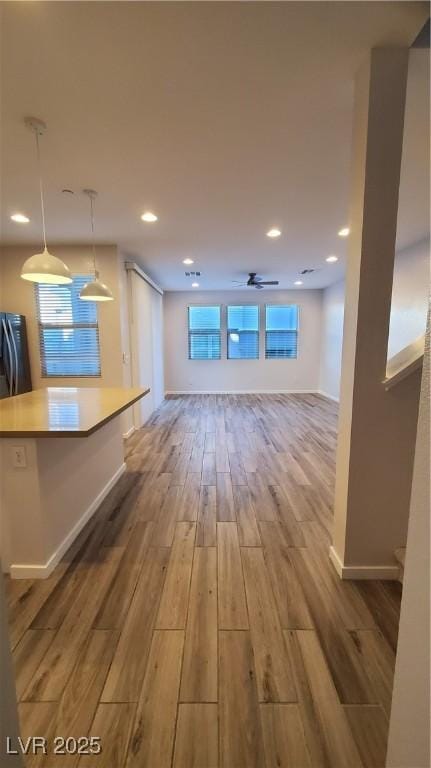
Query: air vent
{"x": 306, "y": 271}
{"x": 192, "y": 274}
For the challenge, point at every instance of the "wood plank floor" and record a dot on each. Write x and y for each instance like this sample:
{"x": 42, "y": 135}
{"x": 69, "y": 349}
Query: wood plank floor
{"x": 197, "y": 621}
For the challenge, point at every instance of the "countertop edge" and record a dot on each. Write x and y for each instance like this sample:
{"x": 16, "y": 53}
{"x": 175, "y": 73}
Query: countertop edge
{"x": 8, "y": 434}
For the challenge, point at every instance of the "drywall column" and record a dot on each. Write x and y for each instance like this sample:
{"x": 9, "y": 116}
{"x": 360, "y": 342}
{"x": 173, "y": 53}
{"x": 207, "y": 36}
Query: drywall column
{"x": 9, "y": 729}
{"x": 376, "y": 428}
{"x": 409, "y": 743}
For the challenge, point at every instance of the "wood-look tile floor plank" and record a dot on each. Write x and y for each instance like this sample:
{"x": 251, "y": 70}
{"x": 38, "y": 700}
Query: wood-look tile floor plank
{"x": 27, "y": 656}
{"x": 199, "y": 672}
{"x": 188, "y": 504}
{"x": 130, "y": 659}
{"x": 112, "y": 724}
{"x": 57, "y": 664}
{"x": 206, "y": 533}
{"x": 114, "y": 607}
{"x": 369, "y": 727}
{"x": 225, "y": 502}
{"x": 196, "y": 742}
{"x": 232, "y": 606}
{"x": 275, "y": 682}
{"x": 283, "y": 736}
{"x": 153, "y": 732}
{"x": 248, "y": 531}
{"x": 175, "y": 596}
{"x": 292, "y": 606}
{"x": 241, "y": 739}
{"x": 327, "y": 733}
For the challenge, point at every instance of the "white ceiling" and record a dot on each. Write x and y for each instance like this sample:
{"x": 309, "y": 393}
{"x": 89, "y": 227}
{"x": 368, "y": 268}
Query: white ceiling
{"x": 223, "y": 118}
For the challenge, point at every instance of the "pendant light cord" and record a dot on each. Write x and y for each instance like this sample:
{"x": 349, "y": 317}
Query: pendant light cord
{"x": 92, "y": 233}
{"x": 42, "y": 205}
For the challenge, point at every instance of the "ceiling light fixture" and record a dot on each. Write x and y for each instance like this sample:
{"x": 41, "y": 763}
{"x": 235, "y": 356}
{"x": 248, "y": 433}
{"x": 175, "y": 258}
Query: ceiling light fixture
{"x": 345, "y": 232}
{"x": 331, "y": 259}
{"x": 43, "y": 267}
{"x": 20, "y": 218}
{"x": 188, "y": 261}
{"x": 274, "y": 232}
{"x": 149, "y": 217}
{"x": 298, "y": 282}
{"x": 195, "y": 285}
{"x": 96, "y": 290}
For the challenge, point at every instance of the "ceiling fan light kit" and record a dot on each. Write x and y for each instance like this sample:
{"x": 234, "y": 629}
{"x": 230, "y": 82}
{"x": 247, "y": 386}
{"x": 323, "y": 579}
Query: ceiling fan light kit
{"x": 43, "y": 267}
{"x": 255, "y": 281}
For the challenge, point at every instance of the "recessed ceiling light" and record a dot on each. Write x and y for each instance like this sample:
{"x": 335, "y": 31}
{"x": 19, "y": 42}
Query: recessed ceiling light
{"x": 298, "y": 282}
{"x": 332, "y": 258}
{"x": 188, "y": 261}
{"x": 274, "y": 232}
{"x": 20, "y": 218}
{"x": 195, "y": 285}
{"x": 345, "y": 232}
{"x": 149, "y": 217}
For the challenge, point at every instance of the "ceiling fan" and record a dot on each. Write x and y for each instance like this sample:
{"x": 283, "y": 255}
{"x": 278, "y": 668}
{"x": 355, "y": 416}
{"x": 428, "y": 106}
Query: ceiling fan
{"x": 254, "y": 281}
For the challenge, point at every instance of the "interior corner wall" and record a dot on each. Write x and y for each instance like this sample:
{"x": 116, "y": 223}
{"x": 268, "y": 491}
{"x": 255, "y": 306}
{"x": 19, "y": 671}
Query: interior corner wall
{"x": 18, "y": 296}
{"x": 332, "y": 339}
{"x": 146, "y": 349}
{"x": 184, "y": 375}
{"x": 410, "y": 295}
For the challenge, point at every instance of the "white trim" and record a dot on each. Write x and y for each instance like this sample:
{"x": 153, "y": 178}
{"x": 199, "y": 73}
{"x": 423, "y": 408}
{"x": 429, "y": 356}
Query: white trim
{"x": 129, "y": 432}
{"x": 326, "y": 394}
{"x": 132, "y": 267}
{"x": 241, "y": 392}
{"x": 386, "y": 572}
{"x": 32, "y": 571}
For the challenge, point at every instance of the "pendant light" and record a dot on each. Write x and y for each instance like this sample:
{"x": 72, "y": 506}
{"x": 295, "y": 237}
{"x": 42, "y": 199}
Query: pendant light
{"x": 96, "y": 290}
{"x": 43, "y": 267}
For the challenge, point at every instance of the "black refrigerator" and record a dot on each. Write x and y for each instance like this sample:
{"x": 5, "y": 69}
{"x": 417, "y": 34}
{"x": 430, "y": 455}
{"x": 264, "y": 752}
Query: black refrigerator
{"x": 15, "y": 377}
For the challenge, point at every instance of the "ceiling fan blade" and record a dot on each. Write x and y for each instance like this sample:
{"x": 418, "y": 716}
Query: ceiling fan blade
{"x": 259, "y": 286}
{"x": 269, "y": 282}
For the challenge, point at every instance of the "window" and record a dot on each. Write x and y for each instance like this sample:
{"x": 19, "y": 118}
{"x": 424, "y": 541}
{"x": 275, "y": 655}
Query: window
{"x": 68, "y": 330}
{"x": 204, "y": 333}
{"x": 281, "y": 332}
{"x": 243, "y": 332}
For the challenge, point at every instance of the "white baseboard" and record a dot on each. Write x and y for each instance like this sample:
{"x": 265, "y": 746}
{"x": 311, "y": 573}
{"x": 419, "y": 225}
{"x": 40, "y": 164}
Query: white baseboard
{"x": 129, "y": 433}
{"x": 382, "y": 572}
{"x": 242, "y": 392}
{"x": 326, "y": 394}
{"x": 31, "y": 571}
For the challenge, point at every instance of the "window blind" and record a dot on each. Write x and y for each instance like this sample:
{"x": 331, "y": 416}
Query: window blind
{"x": 281, "y": 336}
{"x": 243, "y": 332}
{"x": 68, "y": 330}
{"x": 204, "y": 333}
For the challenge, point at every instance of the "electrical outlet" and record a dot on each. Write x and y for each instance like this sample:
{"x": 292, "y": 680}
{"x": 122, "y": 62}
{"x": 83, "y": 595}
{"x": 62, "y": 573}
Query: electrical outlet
{"x": 19, "y": 458}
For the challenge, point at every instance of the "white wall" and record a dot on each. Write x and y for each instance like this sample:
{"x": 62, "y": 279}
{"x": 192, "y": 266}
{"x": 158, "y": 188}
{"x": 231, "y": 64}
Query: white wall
{"x": 184, "y": 375}
{"x": 332, "y": 339}
{"x": 410, "y": 293}
{"x": 146, "y": 324}
{"x": 409, "y": 732}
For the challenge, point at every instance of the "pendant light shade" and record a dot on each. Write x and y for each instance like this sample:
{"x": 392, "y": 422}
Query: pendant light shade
{"x": 43, "y": 267}
{"x": 96, "y": 290}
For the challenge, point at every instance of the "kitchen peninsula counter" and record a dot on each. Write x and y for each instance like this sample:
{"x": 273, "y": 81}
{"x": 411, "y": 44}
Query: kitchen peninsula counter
{"x": 64, "y": 411}
{"x": 61, "y": 452}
